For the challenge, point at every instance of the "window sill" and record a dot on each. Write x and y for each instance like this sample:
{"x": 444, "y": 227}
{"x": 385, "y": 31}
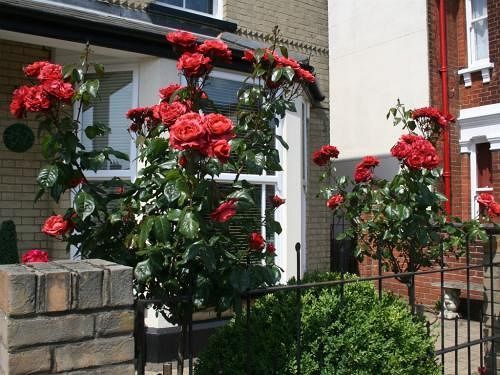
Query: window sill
{"x": 484, "y": 68}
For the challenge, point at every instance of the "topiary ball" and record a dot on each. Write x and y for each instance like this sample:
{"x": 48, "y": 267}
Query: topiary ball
{"x": 18, "y": 137}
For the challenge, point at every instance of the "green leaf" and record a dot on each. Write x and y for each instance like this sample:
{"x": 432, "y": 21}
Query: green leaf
{"x": 93, "y": 160}
{"x": 242, "y": 194}
{"x": 282, "y": 141}
{"x": 174, "y": 214}
{"x": 156, "y": 147}
{"x": 275, "y": 227}
{"x": 48, "y": 176}
{"x": 171, "y": 191}
{"x": 276, "y": 75}
{"x": 284, "y": 51}
{"x": 142, "y": 271}
{"x": 99, "y": 69}
{"x": 240, "y": 279}
{"x": 145, "y": 229}
{"x": 97, "y": 129}
{"x": 188, "y": 224}
{"x": 289, "y": 73}
{"x": 162, "y": 228}
{"x": 194, "y": 250}
{"x": 84, "y": 204}
{"x": 92, "y": 87}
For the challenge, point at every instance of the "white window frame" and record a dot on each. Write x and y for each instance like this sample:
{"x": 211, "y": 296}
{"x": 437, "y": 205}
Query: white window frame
{"x": 217, "y": 8}
{"x": 275, "y": 180}
{"x": 478, "y": 125}
{"x": 130, "y": 173}
{"x": 474, "y": 65}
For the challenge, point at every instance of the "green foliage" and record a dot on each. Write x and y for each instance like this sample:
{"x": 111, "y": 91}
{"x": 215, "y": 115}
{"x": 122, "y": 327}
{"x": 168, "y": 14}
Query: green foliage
{"x": 344, "y": 332}
{"x": 402, "y": 220}
{"x": 9, "y": 253}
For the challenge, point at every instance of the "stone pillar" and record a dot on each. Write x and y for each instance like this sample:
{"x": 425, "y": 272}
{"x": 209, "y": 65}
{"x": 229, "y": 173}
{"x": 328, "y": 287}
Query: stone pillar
{"x": 71, "y": 317}
{"x": 492, "y": 302}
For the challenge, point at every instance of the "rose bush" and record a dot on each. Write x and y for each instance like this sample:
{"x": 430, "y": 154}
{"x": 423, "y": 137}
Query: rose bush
{"x": 173, "y": 223}
{"x": 401, "y": 221}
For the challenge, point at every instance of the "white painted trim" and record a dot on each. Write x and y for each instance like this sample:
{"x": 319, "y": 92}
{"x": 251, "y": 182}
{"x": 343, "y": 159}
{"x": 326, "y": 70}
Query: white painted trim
{"x": 130, "y": 173}
{"x": 216, "y": 12}
{"x": 483, "y": 65}
{"x": 478, "y": 125}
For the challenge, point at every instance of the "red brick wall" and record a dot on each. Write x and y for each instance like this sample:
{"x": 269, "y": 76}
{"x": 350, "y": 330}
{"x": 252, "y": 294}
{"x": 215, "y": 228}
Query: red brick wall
{"x": 425, "y": 292}
{"x": 480, "y": 93}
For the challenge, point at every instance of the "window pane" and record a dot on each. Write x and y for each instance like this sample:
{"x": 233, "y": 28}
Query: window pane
{"x": 115, "y": 99}
{"x": 224, "y": 95}
{"x": 480, "y": 32}
{"x": 270, "y": 191}
{"x": 177, "y": 3}
{"x": 205, "y": 6}
{"x": 478, "y": 8}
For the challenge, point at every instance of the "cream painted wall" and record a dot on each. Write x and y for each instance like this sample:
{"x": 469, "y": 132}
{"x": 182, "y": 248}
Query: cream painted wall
{"x": 378, "y": 52}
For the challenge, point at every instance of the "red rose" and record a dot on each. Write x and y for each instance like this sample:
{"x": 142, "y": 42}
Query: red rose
{"x": 56, "y": 225}
{"x": 270, "y": 248}
{"x": 335, "y": 201}
{"x": 221, "y": 149}
{"x": 182, "y": 39}
{"x": 36, "y": 99}
{"x": 432, "y": 114}
{"x": 219, "y": 126}
{"x": 494, "y": 210}
{"x": 369, "y": 162}
{"x": 225, "y": 211}
{"x": 305, "y": 75}
{"x": 50, "y": 72}
{"x": 60, "y": 89}
{"x": 188, "y": 132}
{"x": 248, "y": 55}
{"x": 284, "y": 61}
{"x": 363, "y": 175}
{"x": 169, "y": 112}
{"x": 142, "y": 116}
{"x": 422, "y": 155}
{"x": 33, "y": 256}
{"x": 324, "y": 154}
{"x": 277, "y": 201}
{"x": 256, "y": 241}
{"x": 17, "y": 107}
{"x": 167, "y": 92}
{"x": 485, "y": 199}
{"x": 215, "y": 49}
{"x": 400, "y": 150}
{"x": 194, "y": 64}
{"x": 33, "y": 70}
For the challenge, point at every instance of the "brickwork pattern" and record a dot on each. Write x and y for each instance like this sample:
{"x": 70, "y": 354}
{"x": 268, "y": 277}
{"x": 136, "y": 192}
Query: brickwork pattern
{"x": 304, "y": 28}
{"x": 18, "y": 171}
{"x": 66, "y": 317}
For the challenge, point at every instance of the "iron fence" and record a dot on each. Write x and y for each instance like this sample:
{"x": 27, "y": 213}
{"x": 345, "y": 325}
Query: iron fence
{"x": 460, "y": 364}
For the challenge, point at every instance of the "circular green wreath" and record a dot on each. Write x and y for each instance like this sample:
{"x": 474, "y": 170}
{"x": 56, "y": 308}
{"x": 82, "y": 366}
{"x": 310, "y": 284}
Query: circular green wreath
{"x": 18, "y": 137}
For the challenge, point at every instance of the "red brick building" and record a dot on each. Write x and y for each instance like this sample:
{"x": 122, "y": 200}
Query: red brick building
{"x": 473, "y": 54}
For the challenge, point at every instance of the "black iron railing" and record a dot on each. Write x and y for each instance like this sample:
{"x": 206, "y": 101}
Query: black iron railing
{"x": 457, "y": 348}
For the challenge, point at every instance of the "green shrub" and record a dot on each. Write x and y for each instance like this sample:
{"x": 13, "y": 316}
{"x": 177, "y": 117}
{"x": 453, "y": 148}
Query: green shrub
{"x": 342, "y": 334}
{"x": 8, "y": 243}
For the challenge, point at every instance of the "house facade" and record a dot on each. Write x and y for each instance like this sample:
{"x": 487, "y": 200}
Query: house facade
{"x": 129, "y": 39}
{"x": 396, "y": 54}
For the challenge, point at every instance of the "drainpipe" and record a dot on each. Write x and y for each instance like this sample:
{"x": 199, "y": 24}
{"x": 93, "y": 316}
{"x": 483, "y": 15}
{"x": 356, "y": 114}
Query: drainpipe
{"x": 443, "y": 70}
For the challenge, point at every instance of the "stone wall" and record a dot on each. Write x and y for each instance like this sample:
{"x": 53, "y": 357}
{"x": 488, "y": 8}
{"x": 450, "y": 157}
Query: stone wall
{"x": 66, "y": 317}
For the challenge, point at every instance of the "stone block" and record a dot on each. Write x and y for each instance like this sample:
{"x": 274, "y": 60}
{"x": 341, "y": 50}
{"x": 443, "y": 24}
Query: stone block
{"x": 86, "y": 284}
{"x": 17, "y": 290}
{"x": 53, "y": 287}
{"x": 97, "y": 352}
{"x": 23, "y": 362}
{"x": 117, "y": 283}
{"x": 123, "y": 369}
{"x": 114, "y": 322}
{"x": 41, "y": 330}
